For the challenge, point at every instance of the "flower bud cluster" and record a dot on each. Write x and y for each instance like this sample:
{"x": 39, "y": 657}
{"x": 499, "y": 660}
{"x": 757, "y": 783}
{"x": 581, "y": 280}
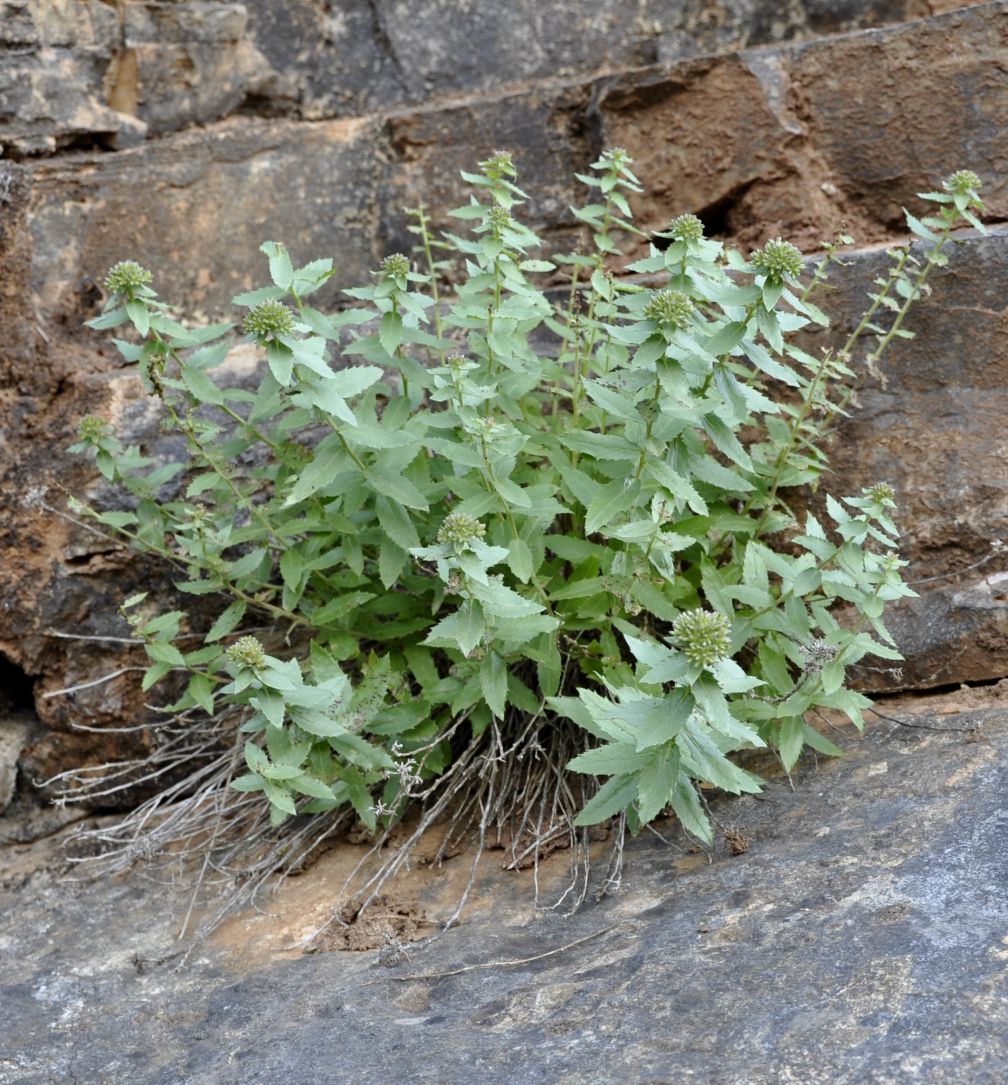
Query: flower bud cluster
{"x": 267, "y": 320}
{"x": 670, "y": 308}
{"x": 685, "y": 228}
{"x": 882, "y": 493}
{"x": 459, "y": 529}
{"x": 126, "y": 278}
{"x": 499, "y": 219}
{"x": 816, "y": 655}
{"x": 92, "y": 429}
{"x": 777, "y": 260}
{"x": 498, "y": 166}
{"x": 247, "y": 652}
{"x": 704, "y": 636}
{"x": 395, "y": 266}
{"x": 963, "y": 183}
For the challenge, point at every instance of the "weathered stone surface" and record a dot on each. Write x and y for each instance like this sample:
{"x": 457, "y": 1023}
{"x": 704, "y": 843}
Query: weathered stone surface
{"x": 196, "y": 207}
{"x": 860, "y": 939}
{"x": 759, "y": 142}
{"x": 548, "y": 132}
{"x": 80, "y": 72}
{"x": 950, "y": 634}
{"x": 354, "y": 57}
{"x": 929, "y": 422}
{"x": 14, "y": 732}
{"x": 799, "y": 139}
{"x": 934, "y": 429}
{"x": 86, "y": 73}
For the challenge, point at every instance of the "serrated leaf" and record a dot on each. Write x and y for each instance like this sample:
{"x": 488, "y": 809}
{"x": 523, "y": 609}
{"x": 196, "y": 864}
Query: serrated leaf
{"x": 790, "y": 739}
{"x": 494, "y": 683}
{"x": 520, "y": 560}
{"x": 612, "y": 402}
{"x": 611, "y": 500}
{"x": 686, "y": 804}
{"x": 396, "y": 523}
{"x": 392, "y": 559}
{"x": 395, "y": 486}
{"x": 281, "y": 271}
{"x": 614, "y": 795}
{"x": 609, "y": 760}
{"x": 463, "y": 629}
{"x": 226, "y": 621}
{"x": 139, "y": 316}
{"x": 656, "y": 783}
{"x": 390, "y": 332}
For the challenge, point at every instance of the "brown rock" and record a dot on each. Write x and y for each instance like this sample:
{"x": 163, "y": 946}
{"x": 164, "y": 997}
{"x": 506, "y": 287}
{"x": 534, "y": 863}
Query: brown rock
{"x": 802, "y": 138}
{"x": 196, "y": 206}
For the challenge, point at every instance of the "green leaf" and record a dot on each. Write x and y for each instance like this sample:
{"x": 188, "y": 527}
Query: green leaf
{"x": 609, "y": 760}
{"x": 501, "y": 601}
{"x": 395, "y": 486}
{"x": 200, "y": 384}
{"x": 390, "y": 332}
{"x": 918, "y": 227}
{"x": 309, "y": 785}
{"x": 520, "y": 560}
{"x": 354, "y": 379}
{"x": 281, "y": 363}
{"x": 291, "y": 567}
{"x": 279, "y": 797}
{"x": 463, "y": 629}
{"x": 201, "y": 690}
{"x": 392, "y": 559}
{"x": 139, "y": 315}
{"x": 226, "y": 621}
{"x": 493, "y": 681}
{"x": 790, "y": 739}
{"x": 688, "y": 810}
{"x": 165, "y": 652}
{"x": 657, "y": 782}
{"x": 396, "y": 523}
{"x": 613, "y": 796}
{"x": 611, "y": 500}
{"x": 329, "y": 463}
{"x": 280, "y": 268}
{"x": 612, "y": 402}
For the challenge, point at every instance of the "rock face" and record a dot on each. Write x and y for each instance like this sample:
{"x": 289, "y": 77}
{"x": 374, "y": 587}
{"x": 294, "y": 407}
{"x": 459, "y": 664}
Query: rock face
{"x": 862, "y": 938}
{"x": 186, "y": 133}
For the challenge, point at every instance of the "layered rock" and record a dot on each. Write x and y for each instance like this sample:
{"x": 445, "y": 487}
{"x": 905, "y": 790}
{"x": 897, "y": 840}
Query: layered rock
{"x": 171, "y": 151}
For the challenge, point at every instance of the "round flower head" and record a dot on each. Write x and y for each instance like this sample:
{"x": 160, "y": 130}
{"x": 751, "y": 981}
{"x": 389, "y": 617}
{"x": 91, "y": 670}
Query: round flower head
{"x": 685, "y": 228}
{"x": 670, "y": 308}
{"x": 92, "y": 429}
{"x": 459, "y": 530}
{"x": 247, "y": 652}
{"x": 267, "y": 320}
{"x": 396, "y": 266}
{"x": 963, "y": 183}
{"x": 882, "y": 493}
{"x": 126, "y": 278}
{"x": 704, "y": 636}
{"x": 498, "y": 166}
{"x": 777, "y": 260}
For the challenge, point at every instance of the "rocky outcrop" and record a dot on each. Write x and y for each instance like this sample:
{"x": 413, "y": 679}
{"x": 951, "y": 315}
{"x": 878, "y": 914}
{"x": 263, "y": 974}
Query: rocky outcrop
{"x": 110, "y": 73}
{"x": 199, "y": 129}
{"x": 860, "y": 938}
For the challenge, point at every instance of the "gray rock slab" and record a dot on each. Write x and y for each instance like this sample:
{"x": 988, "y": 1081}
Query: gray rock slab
{"x": 74, "y": 74}
{"x": 861, "y": 940}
